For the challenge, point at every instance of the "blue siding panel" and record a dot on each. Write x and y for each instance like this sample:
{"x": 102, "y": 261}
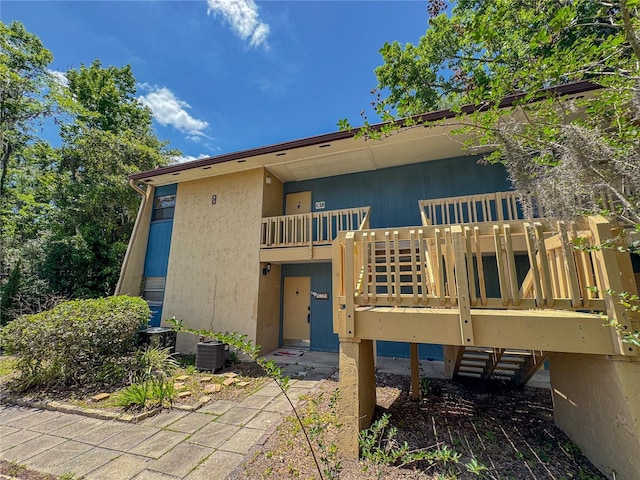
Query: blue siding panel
{"x": 393, "y": 193}
{"x": 426, "y": 351}
{"x": 322, "y": 337}
{"x": 156, "y": 316}
{"x": 159, "y": 243}
{"x": 157, "y": 259}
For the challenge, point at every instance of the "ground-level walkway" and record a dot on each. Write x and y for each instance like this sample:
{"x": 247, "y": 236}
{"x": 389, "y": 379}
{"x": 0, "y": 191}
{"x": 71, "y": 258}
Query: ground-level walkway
{"x": 209, "y": 444}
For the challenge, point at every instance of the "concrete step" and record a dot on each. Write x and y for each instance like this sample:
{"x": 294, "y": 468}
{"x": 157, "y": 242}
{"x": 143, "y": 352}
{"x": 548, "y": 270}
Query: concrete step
{"x": 473, "y": 363}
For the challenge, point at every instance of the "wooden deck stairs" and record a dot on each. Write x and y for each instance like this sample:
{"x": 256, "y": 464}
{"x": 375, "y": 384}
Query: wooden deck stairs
{"x": 499, "y": 293}
{"x": 512, "y": 365}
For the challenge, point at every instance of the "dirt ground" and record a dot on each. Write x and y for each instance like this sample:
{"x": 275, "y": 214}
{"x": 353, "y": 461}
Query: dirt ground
{"x": 499, "y": 432}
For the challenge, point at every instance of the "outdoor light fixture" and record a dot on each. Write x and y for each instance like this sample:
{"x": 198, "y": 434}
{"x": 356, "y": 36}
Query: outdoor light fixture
{"x": 266, "y": 269}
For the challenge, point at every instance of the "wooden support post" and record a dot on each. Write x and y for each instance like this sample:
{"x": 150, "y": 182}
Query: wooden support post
{"x": 580, "y": 257}
{"x": 610, "y": 273}
{"x": 438, "y": 267}
{"x": 511, "y": 265}
{"x": 349, "y": 285}
{"x": 357, "y": 392}
{"x": 462, "y": 279}
{"x": 544, "y": 264}
{"x": 535, "y": 273}
{"x": 337, "y": 284}
{"x": 416, "y": 392}
{"x": 502, "y": 273}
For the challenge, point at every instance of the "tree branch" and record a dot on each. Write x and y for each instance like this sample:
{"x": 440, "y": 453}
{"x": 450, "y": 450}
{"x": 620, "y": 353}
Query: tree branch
{"x": 628, "y": 29}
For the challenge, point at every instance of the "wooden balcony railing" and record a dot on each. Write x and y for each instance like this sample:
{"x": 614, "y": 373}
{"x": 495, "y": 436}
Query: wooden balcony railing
{"x": 514, "y": 265}
{"x": 487, "y": 207}
{"x": 506, "y": 206}
{"x": 311, "y": 229}
{"x": 529, "y": 271}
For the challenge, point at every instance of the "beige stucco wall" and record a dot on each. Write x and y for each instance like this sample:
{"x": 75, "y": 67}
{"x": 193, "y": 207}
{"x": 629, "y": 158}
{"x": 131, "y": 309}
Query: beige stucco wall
{"x": 597, "y": 403}
{"x": 132, "y": 271}
{"x": 269, "y": 292}
{"x": 269, "y": 295}
{"x": 213, "y": 272}
{"x": 272, "y": 196}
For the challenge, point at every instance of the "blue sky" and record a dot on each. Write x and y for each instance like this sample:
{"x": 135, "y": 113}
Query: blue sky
{"x": 226, "y": 75}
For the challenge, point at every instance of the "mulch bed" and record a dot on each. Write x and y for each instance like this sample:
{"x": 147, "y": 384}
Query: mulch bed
{"x": 250, "y": 376}
{"x": 508, "y": 430}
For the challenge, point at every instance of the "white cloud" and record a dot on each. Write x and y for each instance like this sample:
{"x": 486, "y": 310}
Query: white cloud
{"x": 242, "y": 16}
{"x": 188, "y": 158}
{"x": 169, "y": 110}
{"x": 59, "y": 77}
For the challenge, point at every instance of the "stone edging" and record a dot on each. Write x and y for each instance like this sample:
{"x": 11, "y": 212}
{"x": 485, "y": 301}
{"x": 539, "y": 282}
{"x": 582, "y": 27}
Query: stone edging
{"x": 77, "y": 410}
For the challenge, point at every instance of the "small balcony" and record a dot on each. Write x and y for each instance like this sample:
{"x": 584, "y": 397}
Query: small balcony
{"x": 307, "y": 236}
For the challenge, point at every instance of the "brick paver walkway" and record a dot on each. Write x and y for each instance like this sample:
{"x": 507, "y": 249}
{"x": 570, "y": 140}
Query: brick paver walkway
{"x": 209, "y": 443}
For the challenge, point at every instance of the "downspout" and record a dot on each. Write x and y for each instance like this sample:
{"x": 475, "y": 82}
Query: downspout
{"x": 134, "y": 233}
{"x": 142, "y": 193}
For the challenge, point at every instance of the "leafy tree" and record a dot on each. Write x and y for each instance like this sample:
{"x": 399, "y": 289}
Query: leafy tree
{"x": 482, "y": 51}
{"x": 26, "y": 98}
{"x": 23, "y": 82}
{"x": 110, "y": 137}
{"x": 9, "y": 294}
{"x": 67, "y": 213}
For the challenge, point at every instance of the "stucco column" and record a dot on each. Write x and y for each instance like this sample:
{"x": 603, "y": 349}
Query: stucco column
{"x": 357, "y": 392}
{"x": 596, "y": 401}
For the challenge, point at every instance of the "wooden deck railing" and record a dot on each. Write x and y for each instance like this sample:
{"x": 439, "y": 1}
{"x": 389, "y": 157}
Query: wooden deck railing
{"x": 514, "y": 265}
{"x": 311, "y": 229}
{"x": 503, "y": 206}
{"x": 486, "y": 207}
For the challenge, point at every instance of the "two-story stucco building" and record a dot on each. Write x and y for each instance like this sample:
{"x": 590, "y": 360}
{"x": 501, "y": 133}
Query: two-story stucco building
{"x": 392, "y": 247}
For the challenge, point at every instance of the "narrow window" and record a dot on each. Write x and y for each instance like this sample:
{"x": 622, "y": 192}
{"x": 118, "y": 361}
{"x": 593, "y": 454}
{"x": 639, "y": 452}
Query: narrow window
{"x": 163, "y": 207}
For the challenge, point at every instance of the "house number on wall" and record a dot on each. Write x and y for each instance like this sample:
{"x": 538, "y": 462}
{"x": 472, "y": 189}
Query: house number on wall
{"x": 214, "y": 199}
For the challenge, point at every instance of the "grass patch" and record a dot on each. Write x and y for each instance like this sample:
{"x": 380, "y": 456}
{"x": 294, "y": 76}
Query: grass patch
{"x": 8, "y": 365}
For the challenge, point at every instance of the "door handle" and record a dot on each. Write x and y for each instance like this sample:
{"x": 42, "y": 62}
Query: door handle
{"x": 309, "y": 314}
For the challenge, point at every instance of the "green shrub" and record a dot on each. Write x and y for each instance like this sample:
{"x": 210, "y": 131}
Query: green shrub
{"x": 76, "y": 342}
{"x": 154, "y": 362}
{"x": 133, "y": 396}
{"x": 157, "y": 392}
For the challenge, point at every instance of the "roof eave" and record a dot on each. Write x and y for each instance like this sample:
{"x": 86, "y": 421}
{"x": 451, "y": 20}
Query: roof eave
{"x": 567, "y": 89}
